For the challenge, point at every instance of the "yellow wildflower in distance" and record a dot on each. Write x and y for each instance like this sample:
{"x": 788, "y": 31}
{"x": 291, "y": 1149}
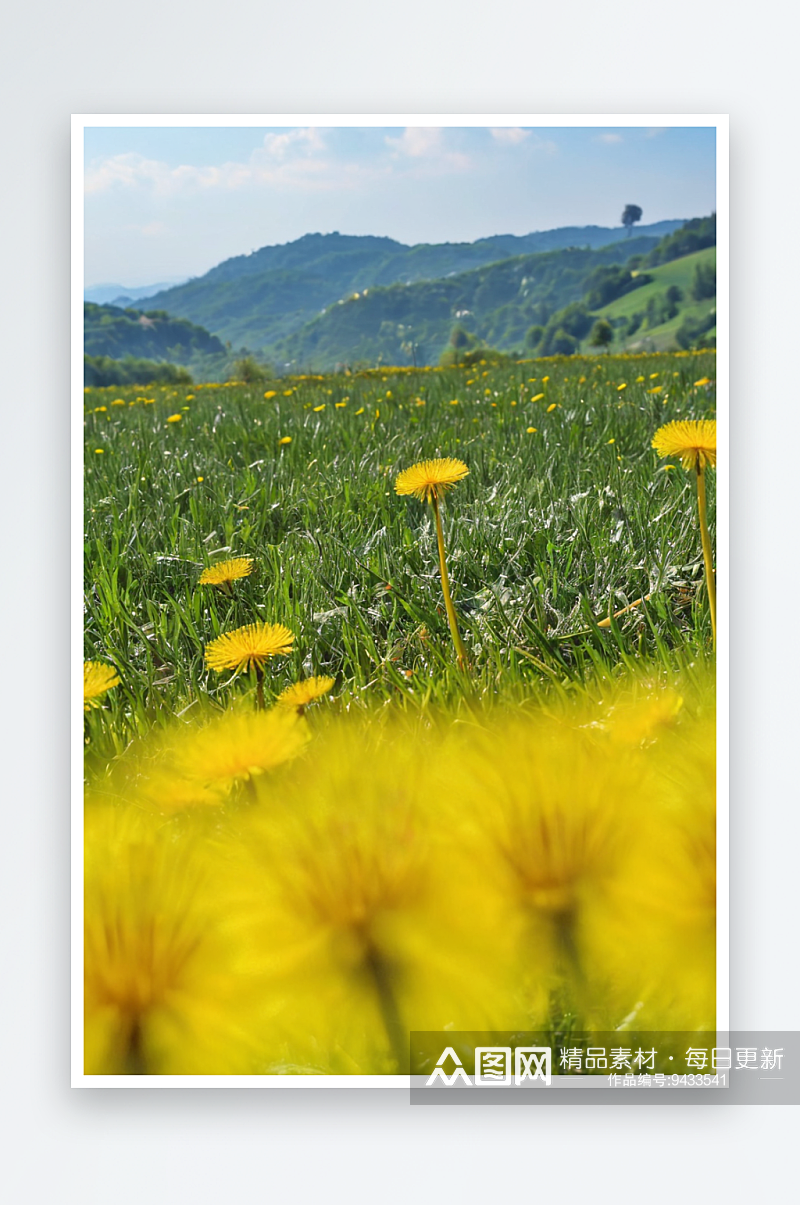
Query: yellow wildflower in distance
{"x": 551, "y": 407}
{"x": 702, "y": 381}
{"x": 300, "y": 694}
{"x": 174, "y": 418}
{"x": 97, "y": 679}
{"x": 428, "y": 480}
{"x": 227, "y": 571}
{"x": 284, "y": 440}
{"x": 695, "y": 442}
{"x": 538, "y": 397}
{"x": 530, "y": 430}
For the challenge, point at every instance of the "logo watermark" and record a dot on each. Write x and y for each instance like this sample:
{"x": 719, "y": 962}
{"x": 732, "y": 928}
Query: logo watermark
{"x": 595, "y": 1068}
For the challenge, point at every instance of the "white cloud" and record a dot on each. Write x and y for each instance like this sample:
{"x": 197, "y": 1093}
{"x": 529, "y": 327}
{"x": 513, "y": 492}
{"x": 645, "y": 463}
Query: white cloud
{"x": 283, "y": 158}
{"x": 418, "y": 142}
{"x": 509, "y": 135}
{"x": 609, "y": 138}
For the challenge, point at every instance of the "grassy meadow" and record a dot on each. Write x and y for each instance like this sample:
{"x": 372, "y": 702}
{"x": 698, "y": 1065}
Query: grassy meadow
{"x": 544, "y": 814}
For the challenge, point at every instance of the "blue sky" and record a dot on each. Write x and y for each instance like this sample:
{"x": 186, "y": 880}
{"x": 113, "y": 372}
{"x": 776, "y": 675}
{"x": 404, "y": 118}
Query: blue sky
{"x": 166, "y": 202}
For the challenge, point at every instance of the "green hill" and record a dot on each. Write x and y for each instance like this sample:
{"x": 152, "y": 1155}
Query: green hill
{"x": 496, "y": 305}
{"x": 111, "y": 331}
{"x": 258, "y": 300}
{"x": 661, "y": 335}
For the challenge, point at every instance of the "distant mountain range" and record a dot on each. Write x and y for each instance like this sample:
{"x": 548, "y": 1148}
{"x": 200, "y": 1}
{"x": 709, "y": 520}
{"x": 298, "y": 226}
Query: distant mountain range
{"x": 658, "y": 289}
{"x": 256, "y": 301}
{"x": 121, "y": 295}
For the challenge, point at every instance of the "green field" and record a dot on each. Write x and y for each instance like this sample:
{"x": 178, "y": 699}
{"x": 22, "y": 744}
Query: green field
{"x": 551, "y": 528}
{"x": 525, "y": 842}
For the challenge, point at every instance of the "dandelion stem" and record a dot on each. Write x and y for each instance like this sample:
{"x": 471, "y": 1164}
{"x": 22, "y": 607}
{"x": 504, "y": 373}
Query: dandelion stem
{"x": 448, "y": 602}
{"x": 259, "y": 688}
{"x": 706, "y": 542}
{"x": 390, "y": 1013}
{"x": 134, "y": 1061}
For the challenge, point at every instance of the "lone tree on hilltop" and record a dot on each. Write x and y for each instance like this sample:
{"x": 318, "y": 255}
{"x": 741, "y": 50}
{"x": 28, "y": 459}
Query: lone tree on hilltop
{"x": 631, "y": 214}
{"x": 602, "y": 334}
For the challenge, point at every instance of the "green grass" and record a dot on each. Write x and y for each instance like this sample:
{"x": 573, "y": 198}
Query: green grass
{"x": 547, "y": 533}
{"x": 678, "y": 272}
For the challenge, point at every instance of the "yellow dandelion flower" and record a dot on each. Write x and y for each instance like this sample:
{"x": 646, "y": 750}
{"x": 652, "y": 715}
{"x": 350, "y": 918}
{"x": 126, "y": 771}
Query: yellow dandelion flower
{"x": 99, "y": 451}
{"x": 227, "y": 571}
{"x": 454, "y": 402}
{"x": 174, "y": 418}
{"x": 656, "y": 389}
{"x": 101, "y": 409}
{"x": 339, "y": 405}
{"x": 349, "y": 911}
{"x": 300, "y": 694}
{"x": 430, "y": 479}
{"x": 97, "y": 679}
{"x": 538, "y": 397}
{"x": 653, "y": 376}
{"x": 250, "y": 645}
{"x": 201, "y": 479}
{"x": 120, "y": 401}
{"x": 270, "y": 393}
{"x": 545, "y": 380}
{"x": 702, "y": 381}
{"x": 284, "y": 440}
{"x": 318, "y": 408}
{"x": 552, "y": 407}
{"x": 694, "y": 441}
{"x": 611, "y": 441}
{"x": 232, "y": 748}
{"x": 163, "y": 991}
{"x": 531, "y": 430}
{"x": 361, "y": 411}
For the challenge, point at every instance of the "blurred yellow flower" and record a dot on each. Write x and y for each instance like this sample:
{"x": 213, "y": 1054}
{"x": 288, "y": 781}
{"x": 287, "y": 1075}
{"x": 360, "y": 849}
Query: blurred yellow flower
{"x": 162, "y": 991}
{"x": 531, "y": 430}
{"x": 318, "y": 408}
{"x": 174, "y": 418}
{"x": 702, "y": 381}
{"x": 97, "y": 679}
{"x": 538, "y": 397}
{"x": 552, "y": 407}
{"x": 285, "y": 439}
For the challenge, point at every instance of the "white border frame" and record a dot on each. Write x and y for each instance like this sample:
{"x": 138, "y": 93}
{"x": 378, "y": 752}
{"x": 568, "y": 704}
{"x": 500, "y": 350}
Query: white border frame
{"x": 79, "y": 122}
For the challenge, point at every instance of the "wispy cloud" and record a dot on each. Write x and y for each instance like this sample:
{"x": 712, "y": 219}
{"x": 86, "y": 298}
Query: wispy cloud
{"x": 418, "y": 142}
{"x": 282, "y": 158}
{"x": 509, "y": 135}
{"x": 609, "y": 138}
{"x": 428, "y": 145}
